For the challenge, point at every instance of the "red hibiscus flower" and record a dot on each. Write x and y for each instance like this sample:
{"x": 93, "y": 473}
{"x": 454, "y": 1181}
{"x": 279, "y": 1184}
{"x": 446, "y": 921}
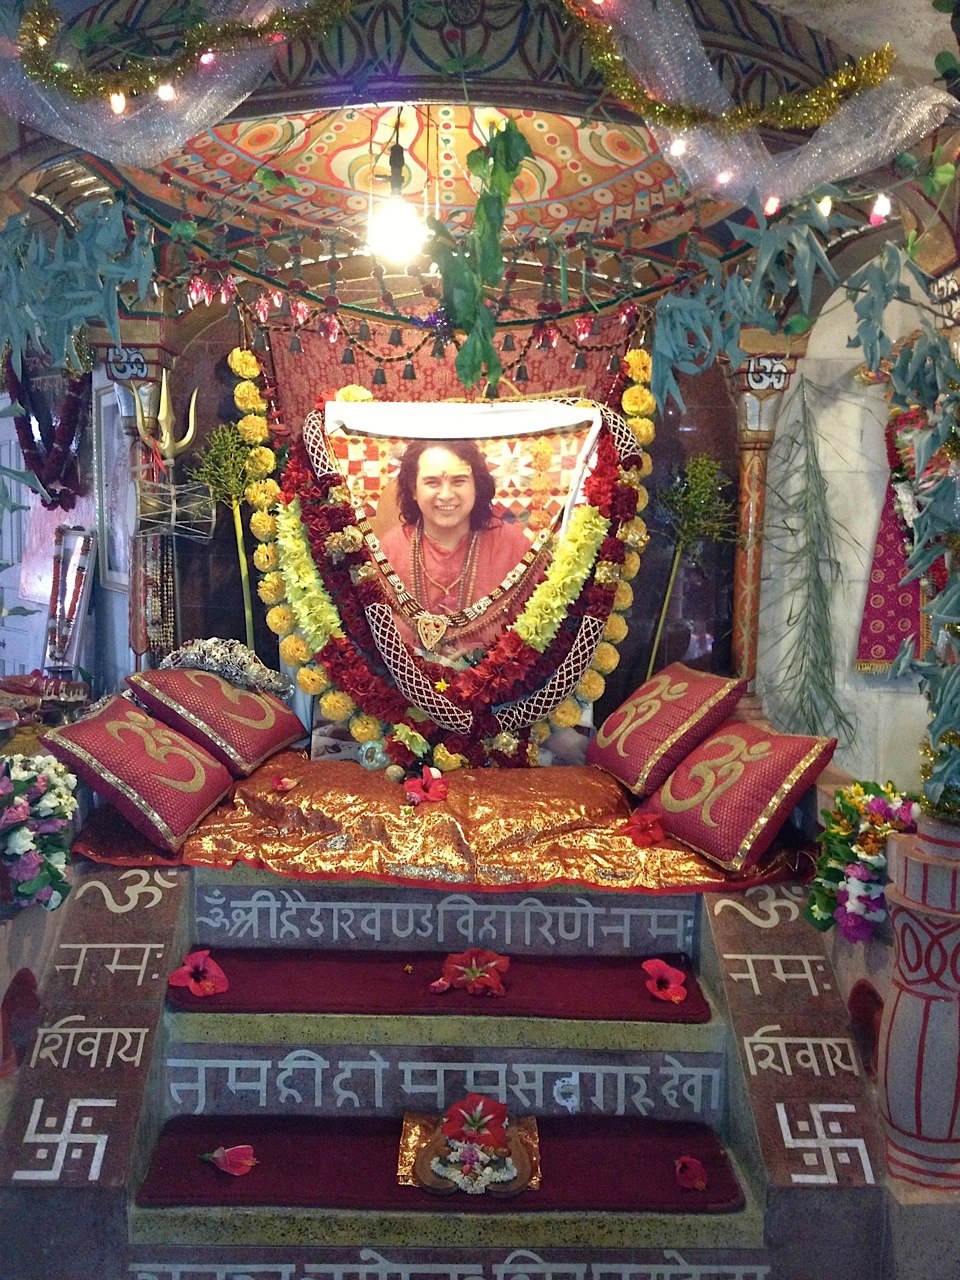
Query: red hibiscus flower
{"x": 665, "y": 982}
{"x": 644, "y": 826}
{"x": 233, "y": 1160}
{"x": 430, "y": 786}
{"x": 476, "y": 971}
{"x": 477, "y": 1119}
{"x": 202, "y": 975}
{"x": 690, "y": 1173}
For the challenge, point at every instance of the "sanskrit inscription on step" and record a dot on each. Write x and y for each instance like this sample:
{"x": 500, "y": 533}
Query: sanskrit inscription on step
{"x": 785, "y": 1054}
{"x": 557, "y": 924}
{"x": 761, "y": 970}
{"x": 659, "y": 1084}
{"x": 72, "y": 1041}
{"x": 140, "y": 960}
{"x": 520, "y": 1264}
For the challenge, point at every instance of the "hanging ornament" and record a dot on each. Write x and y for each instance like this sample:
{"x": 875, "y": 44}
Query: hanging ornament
{"x": 296, "y": 346}
{"x": 508, "y": 344}
{"x": 613, "y": 365}
{"x": 363, "y": 332}
{"x": 582, "y": 327}
{"x": 579, "y": 361}
{"x": 379, "y": 378}
{"x": 395, "y": 339}
{"x": 409, "y": 373}
{"x": 521, "y": 374}
{"x": 348, "y": 356}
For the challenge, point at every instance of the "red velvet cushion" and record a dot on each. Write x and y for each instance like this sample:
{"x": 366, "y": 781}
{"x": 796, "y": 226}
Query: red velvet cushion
{"x": 733, "y": 793}
{"x": 160, "y": 781}
{"x": 238, "y": 727}
{"x": 644, "y": 740}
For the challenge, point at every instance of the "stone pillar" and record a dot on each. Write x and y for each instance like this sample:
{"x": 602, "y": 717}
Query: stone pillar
{"x": 918, "y": 1070}
{"x": 758, "y": 386}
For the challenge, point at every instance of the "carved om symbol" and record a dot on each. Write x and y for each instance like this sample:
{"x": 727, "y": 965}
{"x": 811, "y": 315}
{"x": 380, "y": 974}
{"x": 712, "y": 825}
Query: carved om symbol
{"x": 140, "y": 887}
{"x": 640, "y": 711}
{"x": 715, "y": 776}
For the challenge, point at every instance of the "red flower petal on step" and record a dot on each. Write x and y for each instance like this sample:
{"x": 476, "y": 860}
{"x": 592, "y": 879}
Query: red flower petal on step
{"x": 644, "y": 826}
{"x": 233, "y": 1160}
{"x": 665, "y": 982}
{"x": 431, "y": 786}
{"x": 202, "y": 975}
{"x": 690, "y": 1173}
{"x": 476, "y": 971}
{"x": 282, "y": 783}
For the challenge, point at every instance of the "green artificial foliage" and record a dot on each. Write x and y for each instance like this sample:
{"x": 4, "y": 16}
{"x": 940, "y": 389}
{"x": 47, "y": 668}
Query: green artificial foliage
{"x": 222, "y": 467}
{"x": 701, "y": 317}
{"x": 470, "y": 265}
{"x": 48, "y": 292}
{"x": 695, "y": 511}
{"x": 799, "y": 529}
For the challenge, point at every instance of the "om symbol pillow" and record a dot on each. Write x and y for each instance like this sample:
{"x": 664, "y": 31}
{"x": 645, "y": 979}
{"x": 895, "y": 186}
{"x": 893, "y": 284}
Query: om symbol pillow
{"x": 731, "y": 795}
{"x": 239, "y": 727}
{"x": 643, "y": 741}
{"x": 160, "y": 781}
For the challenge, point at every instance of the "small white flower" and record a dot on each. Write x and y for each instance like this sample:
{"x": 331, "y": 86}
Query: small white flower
{"x": 20, "y": 841}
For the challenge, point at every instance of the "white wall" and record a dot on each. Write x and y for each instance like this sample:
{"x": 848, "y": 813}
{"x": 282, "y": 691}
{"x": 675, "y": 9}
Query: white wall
{"x": 891, "y": 716}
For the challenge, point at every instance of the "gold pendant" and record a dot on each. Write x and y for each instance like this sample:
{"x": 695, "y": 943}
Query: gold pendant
{"x": 431, "y": 629}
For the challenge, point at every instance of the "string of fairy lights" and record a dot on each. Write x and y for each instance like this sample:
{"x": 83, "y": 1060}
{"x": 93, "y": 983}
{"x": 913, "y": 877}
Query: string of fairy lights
{"x": 203, "y": 42}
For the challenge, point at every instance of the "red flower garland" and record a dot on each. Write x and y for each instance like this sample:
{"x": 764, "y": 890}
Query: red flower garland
{"x": 54, "y": 464}
{"x": 510, "y": 671}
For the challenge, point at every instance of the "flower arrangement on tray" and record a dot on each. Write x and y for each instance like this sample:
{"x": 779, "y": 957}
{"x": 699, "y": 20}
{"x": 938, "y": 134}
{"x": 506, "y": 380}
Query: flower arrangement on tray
{"x": 476, "y": 1149}
{"x": 328, "y": 602}
{"x": 37, "y": 804}
{"x": 847, "y": 889}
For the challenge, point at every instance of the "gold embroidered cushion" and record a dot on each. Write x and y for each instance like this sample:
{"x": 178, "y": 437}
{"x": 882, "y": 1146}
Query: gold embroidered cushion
{"x": 731, "y": 795}
{"x": 160, "y": 781}
{"x": 238, "y": 727}
{"x": 643, "y": 741}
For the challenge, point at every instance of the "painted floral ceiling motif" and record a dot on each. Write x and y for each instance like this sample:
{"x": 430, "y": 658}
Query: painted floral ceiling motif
{"x": 289, "y": 174}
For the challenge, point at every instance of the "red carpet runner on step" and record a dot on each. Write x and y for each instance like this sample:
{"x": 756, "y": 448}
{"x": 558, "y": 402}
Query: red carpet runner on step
{"x": 614, "y": 1164}
{"x": 612, "y": 988}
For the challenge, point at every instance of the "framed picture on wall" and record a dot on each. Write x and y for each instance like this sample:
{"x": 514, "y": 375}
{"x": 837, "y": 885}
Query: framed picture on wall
{"x": 113, "y": 480}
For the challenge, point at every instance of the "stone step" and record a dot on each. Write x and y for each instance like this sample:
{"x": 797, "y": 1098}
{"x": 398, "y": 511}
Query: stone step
{"x": 251, "y": 908}
{"x": 309, "y": 1200}
{"x": 317, "y": 1065}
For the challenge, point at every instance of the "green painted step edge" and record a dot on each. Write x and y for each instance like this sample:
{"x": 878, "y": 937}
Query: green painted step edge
{"x": 274, "y": 1227}
{"x": 318, "y": 1029}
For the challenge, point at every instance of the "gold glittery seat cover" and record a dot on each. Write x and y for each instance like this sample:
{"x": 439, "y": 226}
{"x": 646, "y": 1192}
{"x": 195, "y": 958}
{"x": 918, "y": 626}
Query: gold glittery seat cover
{"x": 497, "y": 827}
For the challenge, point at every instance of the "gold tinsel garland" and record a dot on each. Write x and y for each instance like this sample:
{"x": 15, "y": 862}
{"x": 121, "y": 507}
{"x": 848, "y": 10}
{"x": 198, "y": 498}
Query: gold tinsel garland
{"x": 807, "y": 110}
{"x": 41, "y": 25}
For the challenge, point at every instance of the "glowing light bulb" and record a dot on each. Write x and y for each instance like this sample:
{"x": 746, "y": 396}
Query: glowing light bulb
{"x": 118, "y": 104}
{"x": 771, "y": 205}
{"x": 208, "y": 59}
{"x": 825, "y": 204}
{"x": 881, "y": 210}
{"x": 166, "y": 92}
{"x": 678, "y": 147}
{"x": 41, "y": 42}
{"x": 395, "y": 232}
{"x": 723, "y": 177}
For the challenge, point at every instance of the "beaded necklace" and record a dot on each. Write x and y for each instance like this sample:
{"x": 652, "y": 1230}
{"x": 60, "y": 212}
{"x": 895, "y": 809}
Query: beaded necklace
{"x": 432, "y": 627}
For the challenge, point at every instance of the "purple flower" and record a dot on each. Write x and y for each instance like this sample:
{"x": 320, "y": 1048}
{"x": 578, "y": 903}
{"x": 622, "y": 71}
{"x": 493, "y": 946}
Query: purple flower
{"x": 48, "y": 826}
{"x": 38, "y": 788}
{"x": 15, "y": 813}
{"x": 880, "y": 806}
{"x": 26, "y": 866}
{"x": 6, "y": 786}
{"x": 44, "y": 894}
{"x": 859, "y": 871}
{"x": 853, "y": 927}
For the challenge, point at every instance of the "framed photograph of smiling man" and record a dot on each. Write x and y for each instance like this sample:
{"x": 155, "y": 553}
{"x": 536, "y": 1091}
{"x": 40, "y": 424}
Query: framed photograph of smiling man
{"x": 463, "y": 502}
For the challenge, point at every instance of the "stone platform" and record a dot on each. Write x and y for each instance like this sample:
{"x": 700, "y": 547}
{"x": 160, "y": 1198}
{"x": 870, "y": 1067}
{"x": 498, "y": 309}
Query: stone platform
{"x": 775, "y": 1071}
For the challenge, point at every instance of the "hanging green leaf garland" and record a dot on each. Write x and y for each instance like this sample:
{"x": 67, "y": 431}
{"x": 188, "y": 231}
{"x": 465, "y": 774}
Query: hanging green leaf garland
{"x": 468, "y": 265}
